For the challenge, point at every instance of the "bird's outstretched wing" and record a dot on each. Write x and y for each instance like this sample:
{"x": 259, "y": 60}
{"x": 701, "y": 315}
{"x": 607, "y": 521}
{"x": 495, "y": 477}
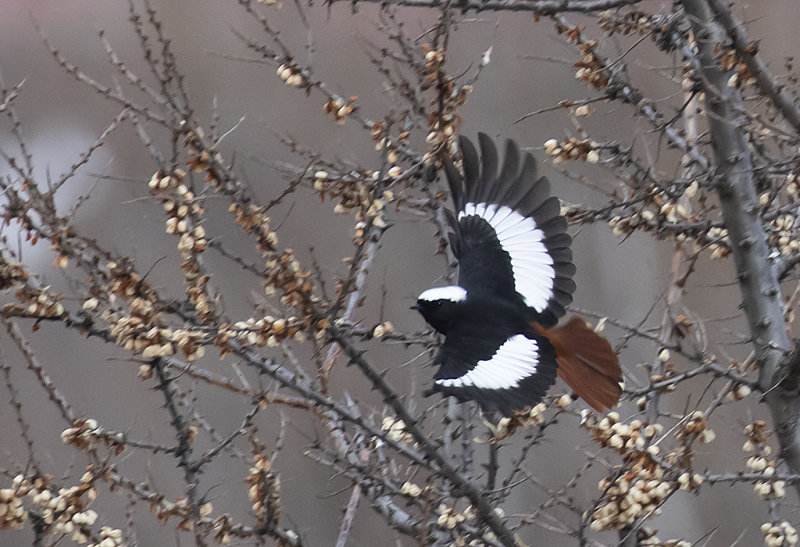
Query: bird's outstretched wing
{"x": 500, "y": 373}
{"x": 514, "y": 258}
{"x": 508, "y": 234}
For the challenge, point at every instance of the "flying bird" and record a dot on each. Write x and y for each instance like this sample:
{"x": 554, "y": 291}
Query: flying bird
{"x": 502, "y": 346}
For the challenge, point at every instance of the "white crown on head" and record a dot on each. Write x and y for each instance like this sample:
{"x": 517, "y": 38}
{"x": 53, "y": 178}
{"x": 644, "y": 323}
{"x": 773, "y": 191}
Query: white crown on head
{"x": 453, "y": 293}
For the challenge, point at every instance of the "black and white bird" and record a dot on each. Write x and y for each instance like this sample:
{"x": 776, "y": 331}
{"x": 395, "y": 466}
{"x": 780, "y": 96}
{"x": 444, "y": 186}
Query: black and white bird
{"x": 502, "y": 347}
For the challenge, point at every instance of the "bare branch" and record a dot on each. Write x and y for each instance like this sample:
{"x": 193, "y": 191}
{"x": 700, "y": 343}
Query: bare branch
{"x": 757, "y": 275}
{"x": 539, "y": 7}
{"x": 749, "y": 52}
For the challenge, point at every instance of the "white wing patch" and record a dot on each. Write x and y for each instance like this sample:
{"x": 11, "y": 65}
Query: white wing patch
{"x": 519, "y": 236}
{"x": 514, "y": 361}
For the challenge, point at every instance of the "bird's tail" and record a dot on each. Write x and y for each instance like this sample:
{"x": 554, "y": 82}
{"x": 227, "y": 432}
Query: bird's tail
{"x": 586, "y": 363}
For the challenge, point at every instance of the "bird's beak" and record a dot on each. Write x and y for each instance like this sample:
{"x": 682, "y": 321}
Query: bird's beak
{"x": 414, "y": 307}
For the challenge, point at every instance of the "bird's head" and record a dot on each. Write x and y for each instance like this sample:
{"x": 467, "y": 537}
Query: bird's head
{"x": 441, "y": 305}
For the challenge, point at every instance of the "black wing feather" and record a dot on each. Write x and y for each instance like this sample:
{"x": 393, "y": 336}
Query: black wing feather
{"x": 460, "y": 354}
{"x": 535, "y": 194}
{"x": 471, "y": 165}
{"x": 488, "y": 182}
{"x": 481, "y": 257}
{"x": 456, "y": 186}
{"x": 524, "y": 192}
{"x": 510, "y": 164}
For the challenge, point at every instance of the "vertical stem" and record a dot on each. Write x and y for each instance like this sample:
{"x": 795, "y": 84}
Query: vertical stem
{"x": 756, "y": 272}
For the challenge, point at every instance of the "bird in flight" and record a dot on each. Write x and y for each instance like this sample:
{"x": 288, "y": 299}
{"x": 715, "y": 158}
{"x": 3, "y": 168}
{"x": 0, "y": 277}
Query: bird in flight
{"x": 502, "y": 346}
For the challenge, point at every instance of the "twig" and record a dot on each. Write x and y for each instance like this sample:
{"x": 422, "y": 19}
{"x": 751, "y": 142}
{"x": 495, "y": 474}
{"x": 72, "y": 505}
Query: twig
{"x": 540, "y": 7}
{"x": 748, "y": 50}
{"x": 41, "y": 374}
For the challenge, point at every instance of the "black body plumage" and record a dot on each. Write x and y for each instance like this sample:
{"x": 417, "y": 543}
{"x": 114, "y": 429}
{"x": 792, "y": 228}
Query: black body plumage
{"x": 515, "y": 270}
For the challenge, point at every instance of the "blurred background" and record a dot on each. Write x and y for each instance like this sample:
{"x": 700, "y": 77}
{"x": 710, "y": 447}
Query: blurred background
{"x": 530, "y": 69}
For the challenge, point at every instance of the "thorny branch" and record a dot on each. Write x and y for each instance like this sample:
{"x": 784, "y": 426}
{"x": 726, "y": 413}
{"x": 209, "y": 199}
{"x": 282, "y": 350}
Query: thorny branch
{"x": 758, "y": 279}
{"x": 735, "y": 192}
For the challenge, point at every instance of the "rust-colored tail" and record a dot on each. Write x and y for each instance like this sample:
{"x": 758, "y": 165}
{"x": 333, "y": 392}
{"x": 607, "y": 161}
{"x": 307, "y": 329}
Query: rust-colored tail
{"x": 586, "y": 363}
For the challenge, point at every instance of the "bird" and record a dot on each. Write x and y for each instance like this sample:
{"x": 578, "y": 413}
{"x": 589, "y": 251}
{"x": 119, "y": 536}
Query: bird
{"x": 503, "y": 347}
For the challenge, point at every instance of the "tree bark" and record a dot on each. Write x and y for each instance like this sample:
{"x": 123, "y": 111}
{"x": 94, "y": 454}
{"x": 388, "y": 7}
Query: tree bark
{"x": 756, "y": 272}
